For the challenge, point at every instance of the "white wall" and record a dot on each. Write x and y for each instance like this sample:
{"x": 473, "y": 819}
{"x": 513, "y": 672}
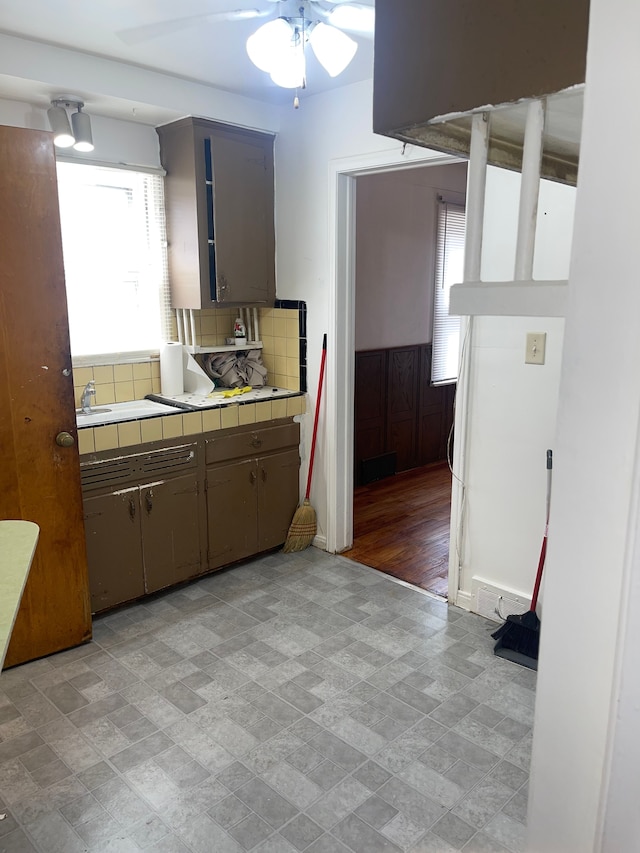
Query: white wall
{"x": 513, "y": 405}
{"x": 584, "y": 771}
{"x": 329, "y": 129}
{"x": 395, "y": 252}
{"x": 118, "y": 89}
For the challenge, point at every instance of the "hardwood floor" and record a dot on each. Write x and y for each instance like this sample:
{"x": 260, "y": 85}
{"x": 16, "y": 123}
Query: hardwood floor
{"x": 401, "y": 526}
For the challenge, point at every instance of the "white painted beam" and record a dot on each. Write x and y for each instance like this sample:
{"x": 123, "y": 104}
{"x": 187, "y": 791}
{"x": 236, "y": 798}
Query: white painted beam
{"x": 509, "y": 298}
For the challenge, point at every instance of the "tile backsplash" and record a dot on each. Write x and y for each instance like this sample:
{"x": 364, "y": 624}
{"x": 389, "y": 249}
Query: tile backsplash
{"x": 118, "y": 383}
{"x": 282, "y": 331}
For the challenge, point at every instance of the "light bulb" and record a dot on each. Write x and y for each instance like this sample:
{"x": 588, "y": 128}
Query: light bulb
{"x": 268, "y": 41}
{"x": 333, "y": 48}
{"x": 82, "y": 131}
{"x": 59, "y": 121}
{"x": 289, "y": 69}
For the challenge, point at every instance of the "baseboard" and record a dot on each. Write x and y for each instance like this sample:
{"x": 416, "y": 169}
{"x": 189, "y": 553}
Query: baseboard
{"x": 320, "y": 541}
{"x": 463, "y": 600}
{"x": 496, "y": 602}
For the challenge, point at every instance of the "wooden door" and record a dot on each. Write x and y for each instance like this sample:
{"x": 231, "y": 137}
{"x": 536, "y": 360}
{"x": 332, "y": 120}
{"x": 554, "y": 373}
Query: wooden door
{"x": 278, "y": 492}
{"x": 39, "y": 481}
{"x": 232, "y": 512}
{"x": 114, "y": 547}
{"x": 170, "y": 513}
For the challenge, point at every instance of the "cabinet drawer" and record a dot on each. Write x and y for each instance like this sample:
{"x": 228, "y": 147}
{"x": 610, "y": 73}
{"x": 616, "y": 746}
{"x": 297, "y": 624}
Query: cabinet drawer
{"x": 162, "y": 462}
{"x": 251, "y": 443}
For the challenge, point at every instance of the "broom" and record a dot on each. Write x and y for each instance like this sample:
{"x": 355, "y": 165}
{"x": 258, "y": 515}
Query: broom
{"x": 304, "y": 526}
{"x": 519, "y": 637}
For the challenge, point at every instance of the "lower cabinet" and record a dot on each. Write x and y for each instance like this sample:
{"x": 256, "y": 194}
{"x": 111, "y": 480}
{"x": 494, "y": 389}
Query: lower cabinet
{"x": 114, "y": 548}
{"x": 172, "y": 511}
{"x": 143, "y": 537}
{"x": 252, "y": 490}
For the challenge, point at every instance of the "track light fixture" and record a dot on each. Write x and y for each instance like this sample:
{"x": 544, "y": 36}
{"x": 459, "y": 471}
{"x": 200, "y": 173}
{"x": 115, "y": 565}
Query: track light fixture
{"x": 78, "y": 133}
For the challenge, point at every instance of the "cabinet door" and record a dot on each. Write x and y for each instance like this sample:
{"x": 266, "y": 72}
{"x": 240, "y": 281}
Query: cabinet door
{"x": 231, "y": 512}
{"x": 170, "y": 531}
{"x": 277, "y": 497}
{"x": 243, "y": 241}
{"x": 114, "y": 549}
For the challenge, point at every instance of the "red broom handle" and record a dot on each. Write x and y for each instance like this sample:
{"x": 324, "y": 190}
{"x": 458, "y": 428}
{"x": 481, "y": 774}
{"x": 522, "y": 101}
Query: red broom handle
{"x": 543, "y": 550}
{"x": 317, "y": 415}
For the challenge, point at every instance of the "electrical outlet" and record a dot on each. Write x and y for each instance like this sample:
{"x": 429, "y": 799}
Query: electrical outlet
{"x": 536, "y": 343}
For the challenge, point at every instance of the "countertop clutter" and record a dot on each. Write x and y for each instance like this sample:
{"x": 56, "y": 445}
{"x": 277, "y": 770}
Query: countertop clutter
{"x": 156, "y": 405}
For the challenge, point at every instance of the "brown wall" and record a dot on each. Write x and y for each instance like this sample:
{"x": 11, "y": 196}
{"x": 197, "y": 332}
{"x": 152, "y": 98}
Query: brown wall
{"x": 435, "y": 57}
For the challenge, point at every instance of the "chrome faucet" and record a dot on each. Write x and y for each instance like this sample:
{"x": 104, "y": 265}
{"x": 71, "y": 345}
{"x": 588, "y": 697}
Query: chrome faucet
{"x": 88, "y": 392}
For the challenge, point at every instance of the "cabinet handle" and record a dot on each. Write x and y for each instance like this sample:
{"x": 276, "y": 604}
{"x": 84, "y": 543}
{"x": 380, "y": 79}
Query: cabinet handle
{"x": 257, "y": 442}
{"x": 252, "y": 477}
{"x": 148, "y": 499}
{"x": 132, "y": 509}
{"x": 263, "y": 473}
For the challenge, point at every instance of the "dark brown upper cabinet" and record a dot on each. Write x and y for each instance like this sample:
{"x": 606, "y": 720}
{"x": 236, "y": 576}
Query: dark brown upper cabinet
{"x": 436, "y": 62}
{"x": 219, "y": 198}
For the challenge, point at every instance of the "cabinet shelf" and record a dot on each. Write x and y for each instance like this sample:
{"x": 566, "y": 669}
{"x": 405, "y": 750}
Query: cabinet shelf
{"x": 204, "y": 349}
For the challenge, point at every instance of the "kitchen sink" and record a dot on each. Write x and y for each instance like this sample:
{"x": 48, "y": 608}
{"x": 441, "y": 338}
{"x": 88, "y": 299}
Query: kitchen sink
{"x": 129, "y": 411}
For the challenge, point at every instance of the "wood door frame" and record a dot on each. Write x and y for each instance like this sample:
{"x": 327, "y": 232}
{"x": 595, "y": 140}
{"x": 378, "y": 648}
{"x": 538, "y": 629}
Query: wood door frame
{"x": 341, "y": 325}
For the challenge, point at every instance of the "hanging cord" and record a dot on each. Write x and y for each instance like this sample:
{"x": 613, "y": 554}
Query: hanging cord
{"x": 302, "y": 36}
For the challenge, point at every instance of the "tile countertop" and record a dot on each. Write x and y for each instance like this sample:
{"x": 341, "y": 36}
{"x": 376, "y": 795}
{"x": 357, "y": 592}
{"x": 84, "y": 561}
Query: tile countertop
{"x": 191, "y": 402}
{"x": 17, "y": 546}
{"x": 155, "y": 405}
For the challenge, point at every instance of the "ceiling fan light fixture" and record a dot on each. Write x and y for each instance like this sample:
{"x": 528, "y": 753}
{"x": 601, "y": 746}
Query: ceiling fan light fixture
{"x": 289, "y": 69}
{"x": 59, "y": 123}
{"x": 333, "y": 48}
{"x": 268, "y": 42}
{"x": 360, "y": 19}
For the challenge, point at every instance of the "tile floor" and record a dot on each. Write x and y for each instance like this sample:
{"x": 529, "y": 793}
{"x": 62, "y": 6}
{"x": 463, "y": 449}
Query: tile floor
{"x": 297, "y": 703}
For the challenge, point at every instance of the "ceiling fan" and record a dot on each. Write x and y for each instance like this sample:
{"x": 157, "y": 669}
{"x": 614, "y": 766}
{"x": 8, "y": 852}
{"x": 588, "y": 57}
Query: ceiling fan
{"x": 278, "y": 46}
{"x": 357, "y": 17}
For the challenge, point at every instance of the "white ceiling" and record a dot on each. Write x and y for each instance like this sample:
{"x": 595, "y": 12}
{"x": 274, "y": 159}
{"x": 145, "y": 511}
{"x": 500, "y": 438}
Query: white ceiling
{"x": 210, "y": 51}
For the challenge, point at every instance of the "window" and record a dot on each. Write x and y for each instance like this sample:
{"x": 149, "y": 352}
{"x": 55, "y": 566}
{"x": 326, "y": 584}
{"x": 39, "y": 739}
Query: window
{"x": 114, "y": 246}
{"x": 449, "y": 270}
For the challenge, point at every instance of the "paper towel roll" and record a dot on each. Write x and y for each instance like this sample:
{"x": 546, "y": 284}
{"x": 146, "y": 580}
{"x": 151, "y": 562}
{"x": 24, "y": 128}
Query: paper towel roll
{"x": 171, "y": 374}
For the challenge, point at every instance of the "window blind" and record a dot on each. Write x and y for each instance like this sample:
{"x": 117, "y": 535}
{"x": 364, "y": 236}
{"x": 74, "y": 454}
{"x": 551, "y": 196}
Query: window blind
{"x": 448, "y": 270}
{"x": 115, "y": 259}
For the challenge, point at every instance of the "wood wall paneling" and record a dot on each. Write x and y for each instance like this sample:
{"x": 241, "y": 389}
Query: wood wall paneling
{"x": 402, "y": 405}
{"x": 397, "y": 410}
{"x": 370, "y": 406}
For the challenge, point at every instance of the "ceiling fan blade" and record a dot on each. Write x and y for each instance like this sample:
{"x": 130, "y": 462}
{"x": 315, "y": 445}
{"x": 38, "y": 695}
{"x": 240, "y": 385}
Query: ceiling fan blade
{"x": 357, "y": 18}
{"x": 146, "y": 32}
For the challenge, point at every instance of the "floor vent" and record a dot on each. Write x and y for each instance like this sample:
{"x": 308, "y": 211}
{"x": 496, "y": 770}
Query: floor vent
{"x": 494, "y": 602}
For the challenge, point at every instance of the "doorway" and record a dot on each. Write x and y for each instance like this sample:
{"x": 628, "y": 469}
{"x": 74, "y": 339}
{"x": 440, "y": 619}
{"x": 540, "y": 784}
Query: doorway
{"x": 401, "y": 526}
{"x": 400, "y": 522}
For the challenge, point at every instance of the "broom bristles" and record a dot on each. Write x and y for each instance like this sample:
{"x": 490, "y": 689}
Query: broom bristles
{"x": 520, "y": 633}
{"x": 302, "y": 530}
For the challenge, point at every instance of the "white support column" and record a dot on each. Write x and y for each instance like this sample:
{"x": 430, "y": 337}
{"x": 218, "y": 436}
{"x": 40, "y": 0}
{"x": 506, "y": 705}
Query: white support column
{"x": 529, "y": 191}
{"x": 476, "y": 184}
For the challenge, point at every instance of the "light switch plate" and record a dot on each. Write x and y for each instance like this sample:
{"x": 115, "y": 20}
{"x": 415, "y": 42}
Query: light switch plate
{"x": 536, "y": 344}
